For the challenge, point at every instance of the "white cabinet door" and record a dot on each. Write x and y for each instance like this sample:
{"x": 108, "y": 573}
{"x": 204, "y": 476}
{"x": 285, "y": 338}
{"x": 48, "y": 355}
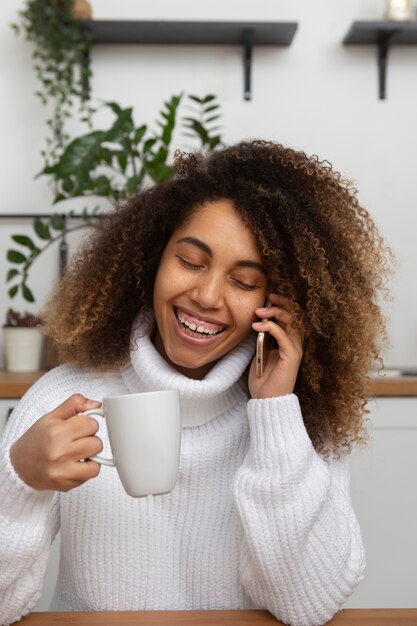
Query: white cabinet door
{"x": 384, "y": 494}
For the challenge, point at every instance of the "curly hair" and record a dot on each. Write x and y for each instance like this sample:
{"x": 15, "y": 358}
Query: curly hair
{"x": 320, "y": 247}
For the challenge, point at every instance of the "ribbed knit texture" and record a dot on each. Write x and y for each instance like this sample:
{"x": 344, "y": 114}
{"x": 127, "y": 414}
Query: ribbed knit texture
{"x": 257, "y": 519}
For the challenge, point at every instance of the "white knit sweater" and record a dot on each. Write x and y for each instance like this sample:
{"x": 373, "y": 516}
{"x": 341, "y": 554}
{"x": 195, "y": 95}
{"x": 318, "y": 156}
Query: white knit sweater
{"x": 256, "y": 520}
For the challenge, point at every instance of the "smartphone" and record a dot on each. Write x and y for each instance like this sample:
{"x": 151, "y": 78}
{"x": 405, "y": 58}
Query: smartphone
{"x": 262, "y": 346}
{"x": 262, "y": 342}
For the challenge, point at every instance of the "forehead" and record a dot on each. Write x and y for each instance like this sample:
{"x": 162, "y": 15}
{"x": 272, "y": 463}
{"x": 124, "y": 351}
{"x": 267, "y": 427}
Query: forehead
{"x": 219, "y": 225}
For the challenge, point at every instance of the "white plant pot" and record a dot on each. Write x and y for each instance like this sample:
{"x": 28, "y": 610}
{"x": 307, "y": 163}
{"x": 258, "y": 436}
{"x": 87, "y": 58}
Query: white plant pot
{"x": 22, "y": 349}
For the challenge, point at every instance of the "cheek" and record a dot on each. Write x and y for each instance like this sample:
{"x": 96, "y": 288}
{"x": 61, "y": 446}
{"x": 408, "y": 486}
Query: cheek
{"x": 244, "y": 312}
{"x": 168, "y": 284}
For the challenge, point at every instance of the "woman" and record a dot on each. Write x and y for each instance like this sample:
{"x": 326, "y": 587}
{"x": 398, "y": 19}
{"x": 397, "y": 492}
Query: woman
{"x": 167, "y": 293}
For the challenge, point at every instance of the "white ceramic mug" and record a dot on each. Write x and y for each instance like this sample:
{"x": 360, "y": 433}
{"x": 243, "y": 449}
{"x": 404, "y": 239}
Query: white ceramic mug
{"x": 145, "y": 437}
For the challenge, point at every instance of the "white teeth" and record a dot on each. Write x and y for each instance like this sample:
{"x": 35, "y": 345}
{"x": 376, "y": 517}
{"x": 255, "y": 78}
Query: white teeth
{"x": 194, "y": 327}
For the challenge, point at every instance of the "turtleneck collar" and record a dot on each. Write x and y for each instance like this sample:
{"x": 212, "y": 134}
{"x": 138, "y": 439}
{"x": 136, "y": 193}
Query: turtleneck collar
{"x": 201, "y": 400}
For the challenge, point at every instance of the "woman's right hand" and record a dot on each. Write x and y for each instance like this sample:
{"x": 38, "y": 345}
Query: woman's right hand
{"x": 51, "y": 453}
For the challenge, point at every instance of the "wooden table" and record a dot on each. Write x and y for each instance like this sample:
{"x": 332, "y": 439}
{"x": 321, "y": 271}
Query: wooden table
{"x": 347, "y": 617}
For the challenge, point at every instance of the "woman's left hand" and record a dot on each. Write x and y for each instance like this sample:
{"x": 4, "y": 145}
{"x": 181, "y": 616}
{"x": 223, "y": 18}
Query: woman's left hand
{"x": 283, "y": 361}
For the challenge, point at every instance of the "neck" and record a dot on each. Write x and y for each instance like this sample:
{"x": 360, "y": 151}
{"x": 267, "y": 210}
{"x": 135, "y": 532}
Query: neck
{"x": 195, "y": 373}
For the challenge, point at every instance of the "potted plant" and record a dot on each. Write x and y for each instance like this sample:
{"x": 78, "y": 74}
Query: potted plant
{"x": 22, "y": 342}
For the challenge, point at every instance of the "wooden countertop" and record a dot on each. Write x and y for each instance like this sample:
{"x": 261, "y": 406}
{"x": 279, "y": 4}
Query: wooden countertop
{"x": 396, "y": 386}
{"x": 14, "y": 385}
{"x": 348, "y": 617}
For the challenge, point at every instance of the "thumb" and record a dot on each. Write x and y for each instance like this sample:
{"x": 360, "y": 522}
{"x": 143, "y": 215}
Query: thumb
{"x": 77, "y": 403}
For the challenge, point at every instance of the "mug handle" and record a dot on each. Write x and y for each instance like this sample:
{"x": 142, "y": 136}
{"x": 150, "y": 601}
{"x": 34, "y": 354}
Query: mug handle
{"x": 99, "y": 459}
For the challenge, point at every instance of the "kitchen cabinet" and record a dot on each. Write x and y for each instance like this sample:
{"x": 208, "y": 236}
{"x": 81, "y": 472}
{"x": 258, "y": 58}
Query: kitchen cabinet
{"x": 384, "y": 495}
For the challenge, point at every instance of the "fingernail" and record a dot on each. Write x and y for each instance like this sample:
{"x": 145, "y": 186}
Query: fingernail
{"x": 93, "y": 403}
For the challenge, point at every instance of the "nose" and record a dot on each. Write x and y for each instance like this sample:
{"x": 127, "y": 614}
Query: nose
{"x": 207, "y": 292}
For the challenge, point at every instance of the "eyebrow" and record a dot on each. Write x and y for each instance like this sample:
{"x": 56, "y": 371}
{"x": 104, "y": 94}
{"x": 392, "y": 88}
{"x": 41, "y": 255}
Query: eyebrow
{"x": 205, "y": 248}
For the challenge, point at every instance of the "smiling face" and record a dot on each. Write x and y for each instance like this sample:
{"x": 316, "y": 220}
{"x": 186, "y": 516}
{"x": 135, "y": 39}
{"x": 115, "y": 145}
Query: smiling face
{"x": 210, "y": 280}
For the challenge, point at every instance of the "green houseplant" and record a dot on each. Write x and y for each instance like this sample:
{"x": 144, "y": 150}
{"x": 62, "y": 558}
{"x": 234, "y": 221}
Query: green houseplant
{"x": 61, "y": 60}
{"x": 109, "y": 165}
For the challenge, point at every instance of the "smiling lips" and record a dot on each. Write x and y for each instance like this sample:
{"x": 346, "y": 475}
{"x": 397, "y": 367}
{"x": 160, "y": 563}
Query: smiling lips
{"x": 197, "y": 327}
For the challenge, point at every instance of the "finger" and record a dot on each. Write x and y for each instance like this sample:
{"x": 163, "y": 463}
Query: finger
{"x": 81, "y": 471}
{"x": 290, "y": 306}
{"x": 276, "y": 312}
{"x": 290, "y": 343}
{"x": 277, "y": 298}
{"x": 86, "y": 447}
{"x": 73, "y": 405}
{"x": 82, "y": 426}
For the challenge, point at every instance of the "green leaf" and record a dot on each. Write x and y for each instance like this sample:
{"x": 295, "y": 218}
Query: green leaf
{"x": 57, "y": 221}
{"x": 161, "y": 172}
{"x": 149, "y": 144}
{"x": 11, "y": 274}
{"x": 133, "y": 184}
{"x": 213, "y": 107}
{"x": 102, "y": 186}
{"x": 41, "y": 229}
{"x": 211, "y": 119}
{"x": 204, "y": 100}
{"x": 16, "y": 257}
{"x": 214, "y": 142}
{"x": 24, "y": 241}
{"x": 79, "y": 158}
{"x": 169, "y": 115}
{"x": 105, "y": 155}
{"x": 199, "y": 130}
{"x": 122, "y": 160}
{"x": 116, "y": 108}
{"x": 195, "y": 98}
{"x": 123, "y": 124}
{"x": 67, "y": 185}
{"x": 27, "y": 294}
{"x": 13, "y": 291}
{"x": 139, "y": 133}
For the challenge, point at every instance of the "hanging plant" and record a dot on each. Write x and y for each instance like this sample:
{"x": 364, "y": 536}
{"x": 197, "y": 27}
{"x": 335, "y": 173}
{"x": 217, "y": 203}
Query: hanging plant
{"x": 61, "y": 60}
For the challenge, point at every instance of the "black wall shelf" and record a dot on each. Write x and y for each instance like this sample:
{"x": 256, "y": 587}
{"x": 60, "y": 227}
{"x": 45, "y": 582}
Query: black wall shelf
{"x": 382, "y": 34}
{"x": 246, "y": 34}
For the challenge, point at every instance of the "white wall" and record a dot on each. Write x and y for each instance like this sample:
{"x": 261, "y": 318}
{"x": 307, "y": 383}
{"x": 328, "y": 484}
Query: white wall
{"x": 316, "y": 95}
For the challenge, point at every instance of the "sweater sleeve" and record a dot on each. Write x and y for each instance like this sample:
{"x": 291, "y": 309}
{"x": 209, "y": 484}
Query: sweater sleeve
{"x": 29, "y": 519}
{"x": 301, "y": 552}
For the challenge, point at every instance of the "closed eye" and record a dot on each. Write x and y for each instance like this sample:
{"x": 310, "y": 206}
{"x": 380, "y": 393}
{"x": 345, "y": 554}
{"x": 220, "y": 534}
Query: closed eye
{"x": 244, "y": 286}
{"x": 238, "y": 283}
{"x": 190, "y": 266}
